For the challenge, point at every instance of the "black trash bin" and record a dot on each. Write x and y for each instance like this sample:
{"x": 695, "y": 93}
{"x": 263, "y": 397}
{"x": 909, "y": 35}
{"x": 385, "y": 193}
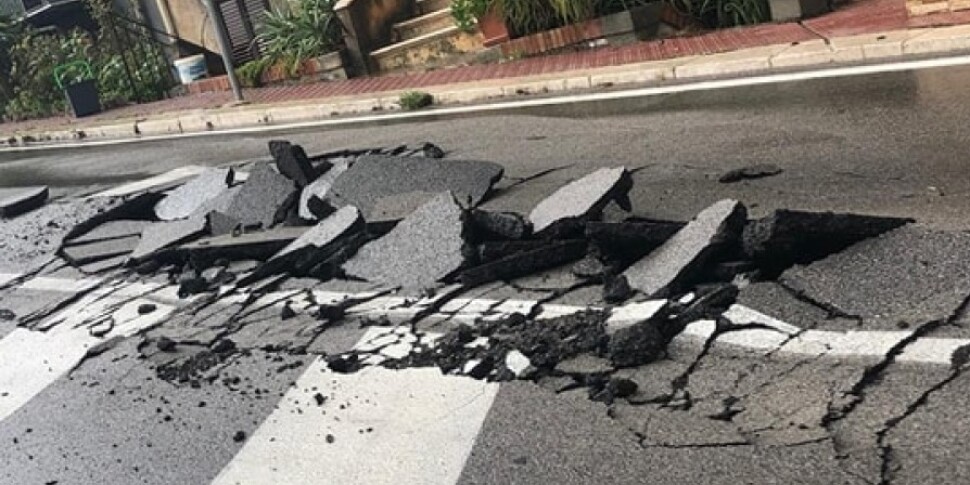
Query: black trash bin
{"x": 80, "y": 88}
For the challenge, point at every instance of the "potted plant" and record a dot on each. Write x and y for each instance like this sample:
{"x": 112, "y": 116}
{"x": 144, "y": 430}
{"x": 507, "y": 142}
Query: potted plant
{"x": 80, "y": 87}
{"x": 487, "y": 15}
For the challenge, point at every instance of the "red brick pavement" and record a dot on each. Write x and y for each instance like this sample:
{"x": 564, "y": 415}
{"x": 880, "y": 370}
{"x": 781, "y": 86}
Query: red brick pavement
{"x": 850, "y": 18}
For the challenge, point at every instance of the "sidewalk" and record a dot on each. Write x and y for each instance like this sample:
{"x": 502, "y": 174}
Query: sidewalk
{"x": 859, "y": 31}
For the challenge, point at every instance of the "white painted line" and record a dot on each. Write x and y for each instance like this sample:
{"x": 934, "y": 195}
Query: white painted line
{"x": 30, "y": 360}
{"x": 559, "y": 100}
{"x": 396, "y": 427}
{"x": 170, "y": 177}
{"x": 632, "y": 314}
{"x": 8, "y": 277}
{"x": 778, "y": 338}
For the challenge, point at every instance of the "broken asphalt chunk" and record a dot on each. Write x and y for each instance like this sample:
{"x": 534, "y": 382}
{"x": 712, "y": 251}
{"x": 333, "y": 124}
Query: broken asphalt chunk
{"x": 292, "y": 162}
{"x": 786, "y": 237}
{"x": 316, "y": 245}
{"x": 635, "y": 336}
{"x": 630, "y": 240}
{"x": 758, "y": 171}
{"x": 373, "y": 178}
{"x": 313, "y": 197}
{"x": 22, "y": 200}
{"x": 110, "y": 230}
{"x": 912, "y": 274}
{"x": 260, "y": 198}
{"x": 677, "y": 262}
{"x": 81, "y": 254}
{"x": 582, "y": 200}
{"x": 161, "y": 235}
{"x": 524, "y": 263}
{"x": 424, "y": 248}
{"x": 501, "y": 225}
{"x": 186, "y": 200}
{"x": 221, "y": 224}
{"x": 252, "y": 245}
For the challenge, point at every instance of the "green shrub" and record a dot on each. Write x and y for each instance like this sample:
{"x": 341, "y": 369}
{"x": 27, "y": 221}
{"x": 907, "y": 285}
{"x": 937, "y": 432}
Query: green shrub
{"x": 467, "y": 13}
{"x": 307, "y": 29}
{"x": 412, "y": 100}
{"x": 28, "y": 59}
{"x": 251, "y": 73}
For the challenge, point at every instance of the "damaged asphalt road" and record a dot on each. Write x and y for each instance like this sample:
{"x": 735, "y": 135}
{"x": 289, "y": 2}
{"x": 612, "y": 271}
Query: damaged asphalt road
{"x": 300, "y": 321}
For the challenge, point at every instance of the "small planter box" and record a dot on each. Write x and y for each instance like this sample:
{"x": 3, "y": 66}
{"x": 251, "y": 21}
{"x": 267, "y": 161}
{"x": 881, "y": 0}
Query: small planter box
{"x": 328, "y": 67}
{"x": 493, "y": 28}
{"x": 83, "y": 98}
{"x": 787, "y": 10}
{"x": 641, "y": 23}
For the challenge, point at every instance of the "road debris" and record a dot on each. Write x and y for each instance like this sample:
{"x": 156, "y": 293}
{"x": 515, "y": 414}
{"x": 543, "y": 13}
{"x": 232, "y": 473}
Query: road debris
{"x": 309, "y": 252}
{"x": 23, "y": 200}
{"x": 750, "y": 172}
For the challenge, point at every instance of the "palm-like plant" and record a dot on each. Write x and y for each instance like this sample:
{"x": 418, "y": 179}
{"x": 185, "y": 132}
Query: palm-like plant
{"x": 308, "y": 29}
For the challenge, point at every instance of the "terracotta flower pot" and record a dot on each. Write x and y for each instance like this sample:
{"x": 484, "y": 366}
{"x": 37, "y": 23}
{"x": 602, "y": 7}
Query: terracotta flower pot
{"x": 492, "y": 26}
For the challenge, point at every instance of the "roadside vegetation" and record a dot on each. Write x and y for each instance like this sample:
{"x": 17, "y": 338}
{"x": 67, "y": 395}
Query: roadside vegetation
{"x": 290, "y": 36}
{"x": 525, "y": 17}
{"x": 28, "y": 58}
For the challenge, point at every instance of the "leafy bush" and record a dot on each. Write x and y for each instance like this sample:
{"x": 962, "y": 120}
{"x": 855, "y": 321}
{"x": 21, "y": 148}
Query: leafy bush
{"x": 467, "y": 13}
{"x": 412, "y": 100}
{"x": 251, "y": 73}
{"x": 307, "y": 29}
{"x": 725, "y": 13}
{"x": 28, "y": 59}
{"x": 529, "y": 16}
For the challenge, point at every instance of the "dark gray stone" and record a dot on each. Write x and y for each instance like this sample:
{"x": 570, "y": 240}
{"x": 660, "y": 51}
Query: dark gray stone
{"x": 591, "y": 268}
{"x": 261, "y": 197}
{"x": 111, "y": 230}
{"x": 495, "y": 250}
{"x": 524, "y": 263}
{"x": 185, "y": 200}
{"x": 582, "y": 199}
{"x": 616, "y": 289}
{"x": 326, "y": 232}
{"x": 23, "y": 200}
{"x": 254, "y": 245}
{"x": 584, "y": 365}
{"x": 318, "y": 244}
{"x": 501, "y": 225}
{"x": 219, "y": 203}
{"x": 674, "y": 264}
{"x": 423, "y": 249}
{"x": 221, "y": 224}
{"x": 630, "y": 240}
{"x": 912, "y": 275}
{"x": 292, "y": 162}
{"x": 750, "y": 172}
{"x": 373, "y": 178}
{"x": 80, "y": 254}
{"x": 103, "y": 265}
{"x": 786, "y": 237}
{"x": 164, "y": 234}
{"x": 636, "y": 343}
{"x": 319, "y": 190}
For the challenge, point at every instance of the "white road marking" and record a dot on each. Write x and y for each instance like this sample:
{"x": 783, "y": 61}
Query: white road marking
{"x": 553, "y": 101}
{"x": 777, "y": 338}
{"x": 377, "y": 426}
{"x": 32, "y": 360}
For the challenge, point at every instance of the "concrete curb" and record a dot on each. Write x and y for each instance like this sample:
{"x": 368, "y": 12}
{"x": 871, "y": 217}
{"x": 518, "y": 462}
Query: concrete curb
{"x": 758, "y": 60}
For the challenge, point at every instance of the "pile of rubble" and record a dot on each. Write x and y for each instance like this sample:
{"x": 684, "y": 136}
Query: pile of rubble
{"x": 409, "y": 222}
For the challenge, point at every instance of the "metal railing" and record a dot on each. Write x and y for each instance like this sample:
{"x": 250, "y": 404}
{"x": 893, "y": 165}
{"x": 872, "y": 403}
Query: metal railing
{"x": 140, "y": 44}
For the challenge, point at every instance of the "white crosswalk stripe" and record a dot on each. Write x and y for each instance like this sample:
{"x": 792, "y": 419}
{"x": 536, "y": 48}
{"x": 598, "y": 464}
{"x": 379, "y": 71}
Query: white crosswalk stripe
{"x": 376, "y": 426}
